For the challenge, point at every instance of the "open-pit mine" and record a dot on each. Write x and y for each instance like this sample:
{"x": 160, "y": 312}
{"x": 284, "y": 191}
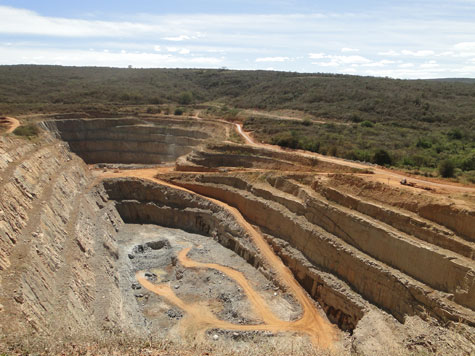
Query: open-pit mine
{"x": 170, "y": 228}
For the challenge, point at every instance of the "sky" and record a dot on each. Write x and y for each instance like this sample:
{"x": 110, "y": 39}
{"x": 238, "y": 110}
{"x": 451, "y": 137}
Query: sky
{"x": 416, "y": 39}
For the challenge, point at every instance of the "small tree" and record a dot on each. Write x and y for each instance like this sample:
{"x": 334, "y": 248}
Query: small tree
{"x": 447, "y": 168}
{"x": 178, "y": 111}
{"x": 367, "y": 123}
{"x": 382, "y": 157}
{"x": 186, "y": 98}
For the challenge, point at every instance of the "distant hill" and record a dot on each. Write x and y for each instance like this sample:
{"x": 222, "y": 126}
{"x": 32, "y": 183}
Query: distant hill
{"x": 419, "y": 122}
{"x": 456, "y": 80}
{"x": 343, "y": 97}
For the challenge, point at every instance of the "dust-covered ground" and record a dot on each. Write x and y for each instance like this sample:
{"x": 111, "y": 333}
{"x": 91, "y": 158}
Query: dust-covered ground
{"x": 154, "y": 249}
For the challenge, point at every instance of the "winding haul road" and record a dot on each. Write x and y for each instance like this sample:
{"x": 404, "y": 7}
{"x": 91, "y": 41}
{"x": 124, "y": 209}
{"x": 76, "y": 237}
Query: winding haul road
{"x": 311, "y": 323}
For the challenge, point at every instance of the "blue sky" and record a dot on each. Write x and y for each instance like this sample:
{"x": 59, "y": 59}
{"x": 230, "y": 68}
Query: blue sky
{"x": 400, "y": 39}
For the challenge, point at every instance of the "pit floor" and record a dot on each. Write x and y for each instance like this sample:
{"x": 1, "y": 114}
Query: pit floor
{"x": 153, "y": 250}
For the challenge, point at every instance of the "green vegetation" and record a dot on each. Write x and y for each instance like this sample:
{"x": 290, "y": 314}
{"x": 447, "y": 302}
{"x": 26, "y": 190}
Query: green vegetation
{"x": 186, "y": 98}
{"x": 447, "y": 169}
{"x": 382, "y": 158}
{"x": 178, "y": 111}
{"x": 419, "y": 123}
{"x": 29, "y": 130}
{"x": 386, "y": 144}
{"x": 221, "y": 111}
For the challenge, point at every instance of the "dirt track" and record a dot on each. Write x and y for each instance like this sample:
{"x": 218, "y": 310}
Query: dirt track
{"x": 14, "y": 123}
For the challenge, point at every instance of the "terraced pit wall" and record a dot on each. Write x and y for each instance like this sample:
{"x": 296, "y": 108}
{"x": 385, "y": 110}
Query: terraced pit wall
{"x": 134, "y": 140}
{"x": 144, "y": 202}
{"x": 216, "y": 157}
{"x": 387, "y": 267}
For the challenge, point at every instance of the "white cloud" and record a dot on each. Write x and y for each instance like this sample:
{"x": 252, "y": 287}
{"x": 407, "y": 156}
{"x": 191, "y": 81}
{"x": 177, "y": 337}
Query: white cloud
{"x": 465, "y": 46}
{"x": 177, "y": 38}
{"x": 327, "y": 64}
{"x": 352, "y": 59}
{"x": 20, "y": 21}
{"x": 346, "y": 49}
{"x": 430, "y": 64}
{"x": 272, "y": 59}
{"x": 420, "y": 53}
{"x": 389, "y": 53}
{"x": 157, "y": 48}
{"x": 445, "y": 54}
{"x": 317, "y": 55}
{"x": 465, "y": 49}
{"x": 11, "y": 55}
{"x": 406, "y": 65}
{"x": 382, "y": 63}
{"x": 405, "y": 52}
{"x": 178, "y": 50}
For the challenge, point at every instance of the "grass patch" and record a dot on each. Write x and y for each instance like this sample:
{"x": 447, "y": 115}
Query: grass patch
{"x": 28, "y": 130}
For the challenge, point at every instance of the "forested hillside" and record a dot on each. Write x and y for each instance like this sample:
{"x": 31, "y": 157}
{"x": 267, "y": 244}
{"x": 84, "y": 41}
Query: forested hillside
{"x": 418, "y": 123}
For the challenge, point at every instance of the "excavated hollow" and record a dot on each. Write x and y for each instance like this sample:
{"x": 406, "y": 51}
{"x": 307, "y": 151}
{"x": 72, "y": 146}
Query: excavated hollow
{"x": 350, "y": 251}
{"x": 134, "y": 140}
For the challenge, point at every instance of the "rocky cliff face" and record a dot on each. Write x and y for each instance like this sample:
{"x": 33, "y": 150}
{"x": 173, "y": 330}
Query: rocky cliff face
{"x": 57, "y": 247}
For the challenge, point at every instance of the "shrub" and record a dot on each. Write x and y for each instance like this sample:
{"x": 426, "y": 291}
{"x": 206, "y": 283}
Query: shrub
{"x": 153, "y": 110}
{"x": 447, "y": 168}
{"x": 423, "y": 143}
{"x": 186, "y": 98}
{"x": 355, "y": 118}
{"x": 367, "y": 123}
{"x": 306, "y": 122}
{"x": 178, "y": 111}
{"x": 382, "y": 157}
{"x": 313, "y": 146}
{"x": 468, "y": 163}
{"x": 286, "y": 139}
{"x": 470, "y": 176}
{"x": 333, "y": 151}
{"x": 358, "y": 155}
{"x": 28, "y": 130}
{"x": 455, "y": 134}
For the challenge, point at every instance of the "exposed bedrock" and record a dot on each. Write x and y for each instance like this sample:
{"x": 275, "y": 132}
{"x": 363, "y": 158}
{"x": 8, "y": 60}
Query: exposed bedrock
{"x": 145, "y": 202}
{"x": 134, "y": 140}
{"x": 459, "y": 219}
{"x": 405, "y": 221}
{"x": 388, "y": 267}
{"x": 57, "y": 243}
